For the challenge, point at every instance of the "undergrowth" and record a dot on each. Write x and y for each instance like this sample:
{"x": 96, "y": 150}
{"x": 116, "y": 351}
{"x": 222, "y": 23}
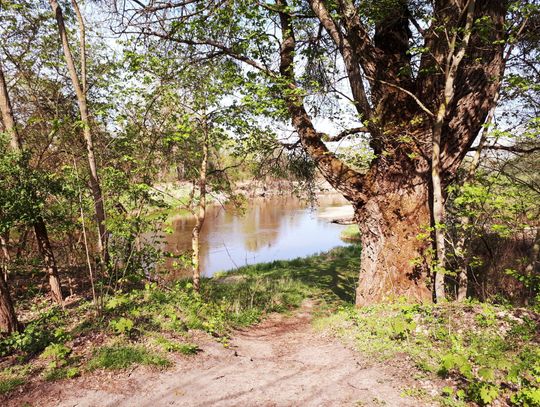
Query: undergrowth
{"x": 485, "y": 352}
{"x": 142, "y": 325}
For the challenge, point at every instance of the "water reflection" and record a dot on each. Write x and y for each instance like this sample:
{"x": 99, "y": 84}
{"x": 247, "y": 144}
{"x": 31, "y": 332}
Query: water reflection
{"x": 269, "y": 229}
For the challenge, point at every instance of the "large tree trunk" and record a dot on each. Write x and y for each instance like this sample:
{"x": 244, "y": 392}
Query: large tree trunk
{"x": 392, "y": 199}
{"x": 393, "y": 262}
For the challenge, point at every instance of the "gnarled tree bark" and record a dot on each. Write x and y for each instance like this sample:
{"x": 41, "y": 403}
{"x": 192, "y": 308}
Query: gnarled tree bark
{"x": 392, "y": 199}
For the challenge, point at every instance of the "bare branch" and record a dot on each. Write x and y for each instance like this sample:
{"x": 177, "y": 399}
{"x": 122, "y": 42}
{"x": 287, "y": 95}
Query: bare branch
{"x": 343, "y": 134}
{"x": 418, "y": 101}
{"x": 511, "y": 149}
{"x": 222, "y": 47}
{"x": 350, "y": 58}
{"x": 348, "y": 181}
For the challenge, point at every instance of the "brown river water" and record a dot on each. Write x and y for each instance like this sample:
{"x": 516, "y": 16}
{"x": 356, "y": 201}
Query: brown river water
{"x": 277, "y": 228}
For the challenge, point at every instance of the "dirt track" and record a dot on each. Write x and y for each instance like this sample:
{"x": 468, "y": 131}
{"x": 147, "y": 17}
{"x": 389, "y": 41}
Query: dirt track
{"x": 280, "y": 362}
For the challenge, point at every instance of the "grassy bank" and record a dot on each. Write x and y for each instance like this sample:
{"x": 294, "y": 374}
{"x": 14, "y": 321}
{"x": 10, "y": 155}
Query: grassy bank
{"x": 351, "y": 234}
{"x": 150, "y": 324}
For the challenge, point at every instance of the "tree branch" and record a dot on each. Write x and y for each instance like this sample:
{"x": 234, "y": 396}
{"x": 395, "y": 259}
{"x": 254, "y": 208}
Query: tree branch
{"x": 511, "y": 149}
{"x": 350, "y": 58}
{"x": 416, "y": 99}
{"x": 291, "y": 146}
{"x": 343, "y": 134}
{"x": 222, "y": 47}
{"x": 358, "y": 36}
{"x": 339, "y": 175}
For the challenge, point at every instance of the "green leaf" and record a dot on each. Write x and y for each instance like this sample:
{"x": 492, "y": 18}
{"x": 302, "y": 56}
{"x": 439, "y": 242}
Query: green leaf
{"x": 488, "y": 393}
{"x": 486, "y": 373}
{"x": 122, "y": 325}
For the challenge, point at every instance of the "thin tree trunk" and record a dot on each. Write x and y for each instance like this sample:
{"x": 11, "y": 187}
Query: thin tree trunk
{"x": 201, "y": 215}
{"x": 80, "y": 91}
{"x": 461, "y": 270}
{"x": 437, "y": 208}
{"x": 85, "y": 239}
{"x": 21, "y": 243}
{"x": 49, "y": 262}
{"x": 8, "y": 118}
{"x": 437, "y": 205}
{"x": 4, "y": 240}
{"x": 462, "y": 243}
{"x": 533, "y": 266}
{"x": 82, "y": 44}
{"x": 40, "y": 228}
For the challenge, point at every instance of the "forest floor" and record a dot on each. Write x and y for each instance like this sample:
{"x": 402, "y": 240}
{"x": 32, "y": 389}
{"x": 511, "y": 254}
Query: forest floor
{"x": 283, "y": 333}
{"x": 282, "y": 361}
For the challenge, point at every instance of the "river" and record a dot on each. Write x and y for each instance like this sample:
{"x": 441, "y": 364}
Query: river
{"x": 276, "y": 228}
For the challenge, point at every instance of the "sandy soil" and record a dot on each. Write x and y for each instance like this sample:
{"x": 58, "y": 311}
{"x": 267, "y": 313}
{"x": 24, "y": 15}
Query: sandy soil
{"x": 280, "y": 362}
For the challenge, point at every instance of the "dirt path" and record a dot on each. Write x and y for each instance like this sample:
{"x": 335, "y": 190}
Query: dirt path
{"x": 280, "y": 362}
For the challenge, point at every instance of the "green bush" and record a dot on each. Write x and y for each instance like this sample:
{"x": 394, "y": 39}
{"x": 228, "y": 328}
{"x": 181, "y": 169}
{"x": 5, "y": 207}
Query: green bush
{"x": 37, "y": 335}
{"x": 122, "y": 325}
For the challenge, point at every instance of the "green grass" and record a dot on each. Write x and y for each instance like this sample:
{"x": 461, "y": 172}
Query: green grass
{"x": 9, "y": 383}
{"x": 489, "y": 352}
{"x": 123, "y": 356}
{"x": 329, "y": 276}
{"x": 351, "y": 234}
{"x": 61, "y": 373}
{"x": 173, "y": 346}
{"x": 187, "y": 348}
{"x": 13, "y": 376}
